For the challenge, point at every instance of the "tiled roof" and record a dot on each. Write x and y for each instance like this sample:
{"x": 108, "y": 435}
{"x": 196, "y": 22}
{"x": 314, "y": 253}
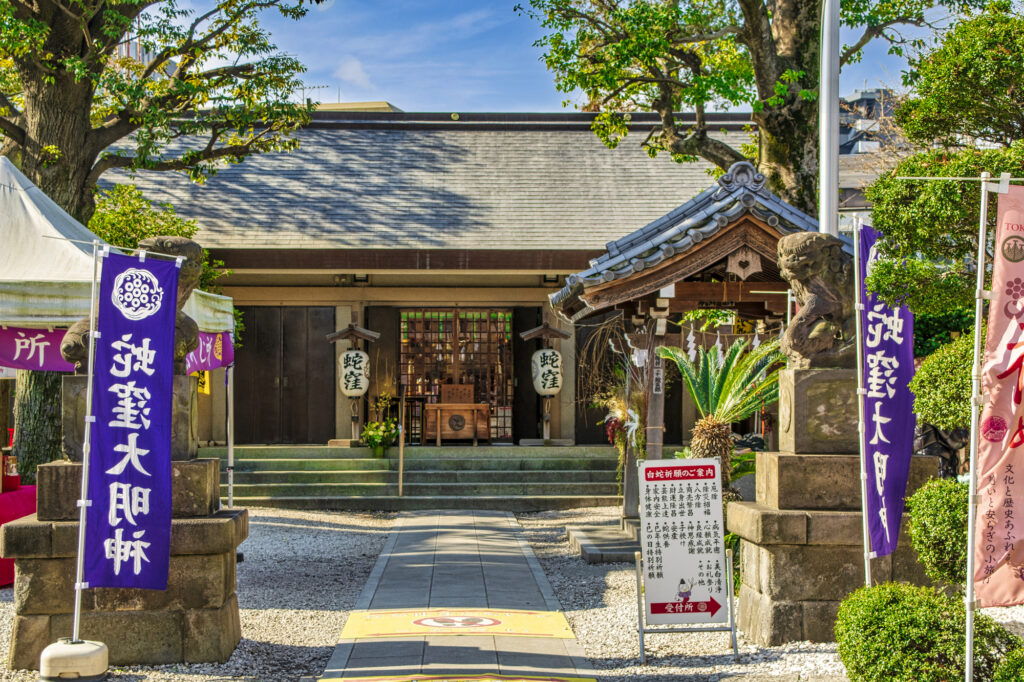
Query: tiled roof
{"x": 736, "y": 193}
{"x": 428, "y": 181}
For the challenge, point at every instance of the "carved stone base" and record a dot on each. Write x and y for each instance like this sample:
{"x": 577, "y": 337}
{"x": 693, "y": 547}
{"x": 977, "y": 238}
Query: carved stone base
{"x": 818, "y": 411}
{"x": 184, "y": 417}
{"x": 194, "y": 620}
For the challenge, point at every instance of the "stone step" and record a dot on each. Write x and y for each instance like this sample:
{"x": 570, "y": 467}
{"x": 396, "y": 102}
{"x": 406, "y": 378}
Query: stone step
{"x": 443, "y": 489}
{"x": 266, "y": 477}
{"x": 507, "y": 464}
{"x": 603, "y": 544}
{"x": 513, "y": 503}
{"x": 322, "y": 464}
{"x": 412, "y": 452}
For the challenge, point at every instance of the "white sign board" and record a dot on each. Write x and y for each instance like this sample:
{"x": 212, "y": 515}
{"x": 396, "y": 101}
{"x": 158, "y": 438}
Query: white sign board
{"x": 685, "y": 571}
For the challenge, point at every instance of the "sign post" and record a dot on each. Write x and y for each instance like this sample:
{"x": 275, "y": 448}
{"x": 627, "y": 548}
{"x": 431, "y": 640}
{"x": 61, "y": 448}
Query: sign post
{"x": 684, "y": 576}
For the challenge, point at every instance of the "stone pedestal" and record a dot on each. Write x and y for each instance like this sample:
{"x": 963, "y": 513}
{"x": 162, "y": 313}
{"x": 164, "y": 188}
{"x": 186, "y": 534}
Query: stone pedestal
{"x": 802, "y": 549}
{"x": 184, "y": 417}
{"x": 194, "y": 620}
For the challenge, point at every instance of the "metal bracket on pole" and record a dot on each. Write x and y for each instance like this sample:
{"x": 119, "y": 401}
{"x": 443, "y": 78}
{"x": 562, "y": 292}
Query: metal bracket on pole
{"x": 983, "y": 294}
{"x": 1002, "y": 187}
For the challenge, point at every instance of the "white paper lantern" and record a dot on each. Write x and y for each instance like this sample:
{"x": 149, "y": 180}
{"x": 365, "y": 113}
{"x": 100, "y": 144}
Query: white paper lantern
{"x": 355, "y": 373}
{"x": 547, "y": 372}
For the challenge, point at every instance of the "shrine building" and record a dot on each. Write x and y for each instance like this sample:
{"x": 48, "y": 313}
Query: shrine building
{"x": 449, "y": 235}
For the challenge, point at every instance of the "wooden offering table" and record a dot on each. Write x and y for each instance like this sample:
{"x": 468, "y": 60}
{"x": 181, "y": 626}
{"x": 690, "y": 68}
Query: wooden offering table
{"x": 456, "y": 416}
{"x": 457, "y": 420}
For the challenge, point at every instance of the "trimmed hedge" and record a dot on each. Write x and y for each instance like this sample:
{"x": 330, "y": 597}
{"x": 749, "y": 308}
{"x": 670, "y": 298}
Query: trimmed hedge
{"x": 900, "y": 632}
{"x": 1012, "y": 667}
{"x": 942, "y": 385}
{"x": 938, "y": 529}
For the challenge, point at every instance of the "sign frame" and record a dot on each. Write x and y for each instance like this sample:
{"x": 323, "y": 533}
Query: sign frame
{"x": 645, "y": 628}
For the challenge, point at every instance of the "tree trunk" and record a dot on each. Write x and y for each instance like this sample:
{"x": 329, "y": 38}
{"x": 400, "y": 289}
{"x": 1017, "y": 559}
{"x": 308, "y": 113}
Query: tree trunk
{"x": 788, "y": 152}
{"x": 5, "y": 402}
{"x": 37, "y": 412}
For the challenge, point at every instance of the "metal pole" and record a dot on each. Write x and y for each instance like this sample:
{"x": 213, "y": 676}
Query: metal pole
{"x": 729, "y": 558}
{"x": 401, "y": 438}
{"x": 231, "y": 435}
{"x": 83, "y": 502}
{"x": 972, "y": 505}
{"x": 828, "y": 121}
{"x": 857, "y": 256}
{"x": 640, "y": 608}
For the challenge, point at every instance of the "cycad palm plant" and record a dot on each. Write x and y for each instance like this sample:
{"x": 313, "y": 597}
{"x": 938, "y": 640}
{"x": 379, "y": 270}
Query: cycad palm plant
{"x": 727, "y": 389}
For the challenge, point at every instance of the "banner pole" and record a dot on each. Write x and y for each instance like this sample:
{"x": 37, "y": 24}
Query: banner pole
{"x": 972, "y": 508}
{"x": 83, "y": 502}
{"x": 231, "y": 435}
{"x": 857, "y": 256}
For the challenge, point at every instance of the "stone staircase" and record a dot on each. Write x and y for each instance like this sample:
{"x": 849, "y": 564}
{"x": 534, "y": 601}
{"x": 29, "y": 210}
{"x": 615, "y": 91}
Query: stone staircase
{"x": 486, "y": 477}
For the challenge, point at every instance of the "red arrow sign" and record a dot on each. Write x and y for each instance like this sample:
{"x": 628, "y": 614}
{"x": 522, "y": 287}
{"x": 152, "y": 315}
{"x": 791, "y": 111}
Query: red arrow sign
{"x": 710, "y": 607}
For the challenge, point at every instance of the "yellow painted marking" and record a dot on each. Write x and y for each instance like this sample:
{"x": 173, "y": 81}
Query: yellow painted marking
{"x": 431, "y": 622}
{"x": 471, "y": 678}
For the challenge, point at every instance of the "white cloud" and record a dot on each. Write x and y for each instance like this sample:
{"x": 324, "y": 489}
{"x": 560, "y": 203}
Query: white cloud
{"x": 351, "y": 71}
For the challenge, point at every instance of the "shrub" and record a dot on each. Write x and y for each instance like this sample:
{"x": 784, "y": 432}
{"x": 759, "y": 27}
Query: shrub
{"x": 1012, "y": 667}
{"x": 901, "y": 632}
{"x": 942, "y": 385}
{"x": 938, "y": 529}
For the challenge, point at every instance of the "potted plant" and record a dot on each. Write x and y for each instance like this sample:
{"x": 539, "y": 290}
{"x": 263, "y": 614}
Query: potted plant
{"x": 379, "y": 435}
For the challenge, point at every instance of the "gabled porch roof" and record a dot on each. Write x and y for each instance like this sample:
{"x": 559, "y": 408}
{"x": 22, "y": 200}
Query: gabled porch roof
{"x": 665, "y": 251}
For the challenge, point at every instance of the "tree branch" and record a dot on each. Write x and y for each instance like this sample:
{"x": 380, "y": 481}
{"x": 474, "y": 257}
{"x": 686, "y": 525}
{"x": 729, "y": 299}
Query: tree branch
{"x": 12, "y": 130}
{"x": 6, "y": 103}
{"x": 758, "y": 37}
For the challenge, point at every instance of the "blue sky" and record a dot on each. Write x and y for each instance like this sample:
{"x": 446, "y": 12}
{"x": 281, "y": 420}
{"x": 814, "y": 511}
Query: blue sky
{"x": 434, "y": 55}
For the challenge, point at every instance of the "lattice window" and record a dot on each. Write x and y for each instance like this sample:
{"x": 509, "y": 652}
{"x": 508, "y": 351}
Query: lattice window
{"x": 464, "y": 346}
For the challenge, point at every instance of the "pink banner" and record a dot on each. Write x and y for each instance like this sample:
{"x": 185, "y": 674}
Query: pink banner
{"x": 998, "y": 551}
{"x": 214, "y": 350}
{"x": 36, "y": 349}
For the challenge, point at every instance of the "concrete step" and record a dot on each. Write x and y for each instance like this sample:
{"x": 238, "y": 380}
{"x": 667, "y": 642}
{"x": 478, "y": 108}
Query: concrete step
{"x": 285, "y": 477}
{"x": 412, "y": 452}
{"x": 414, "y": 489}
{"x": 506, "y": 464}
{"x": 513, "y": 503}
{"x": 603, "y": 544}
{"x": 513, "y": 475}
{"x": 322, "y": 464}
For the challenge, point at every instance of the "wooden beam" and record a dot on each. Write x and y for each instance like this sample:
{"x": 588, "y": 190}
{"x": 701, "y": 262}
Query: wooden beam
{"x": 555, "y": 261}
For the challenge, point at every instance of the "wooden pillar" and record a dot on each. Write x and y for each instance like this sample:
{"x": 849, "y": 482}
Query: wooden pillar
{"x": 630, "y": 482}
{"x": 655, "y": 404}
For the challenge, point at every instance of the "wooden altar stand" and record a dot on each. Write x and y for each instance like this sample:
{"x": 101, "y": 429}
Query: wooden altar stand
{"x": 456, "y": 417}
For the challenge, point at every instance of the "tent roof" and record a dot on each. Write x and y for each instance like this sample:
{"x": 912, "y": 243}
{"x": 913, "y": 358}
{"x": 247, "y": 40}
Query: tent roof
{"x": 37, "y": 234}
{"x": 46, "y": 263}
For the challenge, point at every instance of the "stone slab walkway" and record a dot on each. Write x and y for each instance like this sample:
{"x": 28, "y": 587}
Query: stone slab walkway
{"x": 459, "y": 560}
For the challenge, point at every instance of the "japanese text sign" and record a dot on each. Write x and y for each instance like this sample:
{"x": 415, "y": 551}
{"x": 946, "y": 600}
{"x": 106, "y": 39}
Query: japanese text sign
{"x": 35, "y": 349}
{"x": 128, "y": 526}
{"x": 998, "y": 546}
{"x": 214, "y": 350}
{"x": 355, "y": 373}
{"x": 888, "y": 437}
{"x": 681, "y": 542}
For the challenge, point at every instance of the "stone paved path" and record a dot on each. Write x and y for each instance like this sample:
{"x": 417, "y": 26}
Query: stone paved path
{"x": 458, "y": 560}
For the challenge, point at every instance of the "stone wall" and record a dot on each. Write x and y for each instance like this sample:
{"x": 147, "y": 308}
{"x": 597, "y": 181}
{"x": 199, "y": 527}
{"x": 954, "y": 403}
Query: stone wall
{"x": 194, "y": 620}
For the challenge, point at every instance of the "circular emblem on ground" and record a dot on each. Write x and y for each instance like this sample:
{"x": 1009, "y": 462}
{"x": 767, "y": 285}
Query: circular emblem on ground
{"x": 1013, "y": 248}
{"x": 993, "y": 429}
{"x": 457, "y": 422}
{"x": 457, "y": 622}
{"x": 137, "y": 294}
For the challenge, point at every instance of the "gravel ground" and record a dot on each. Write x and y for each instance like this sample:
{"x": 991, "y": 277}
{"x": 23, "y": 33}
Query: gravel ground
{"x": 600, "y": 603}
{"x": 302, "y": 572}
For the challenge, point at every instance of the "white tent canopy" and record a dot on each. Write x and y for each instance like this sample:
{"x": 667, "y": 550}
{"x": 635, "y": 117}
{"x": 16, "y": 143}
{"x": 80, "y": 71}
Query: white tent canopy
{"x": 46, "y": 263}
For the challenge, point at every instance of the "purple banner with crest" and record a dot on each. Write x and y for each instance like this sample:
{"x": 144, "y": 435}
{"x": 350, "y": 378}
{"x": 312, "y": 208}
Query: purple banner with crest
{"x": 215, "y": 350}
{"x": 36, "y": 349}
{"x": 888, "y": 438}
{"x": 128, "y": 527}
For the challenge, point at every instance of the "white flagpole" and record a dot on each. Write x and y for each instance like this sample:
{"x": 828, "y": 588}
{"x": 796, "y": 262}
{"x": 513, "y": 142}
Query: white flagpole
{"x": 83, "y": 502}
{"x": 231, "y": 432}
{"x": 972, "y": 505}
{"x": 861, "y": 431}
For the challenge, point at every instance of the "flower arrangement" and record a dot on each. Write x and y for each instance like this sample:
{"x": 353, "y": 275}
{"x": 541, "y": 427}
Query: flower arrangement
{"x": 380, "y": 434}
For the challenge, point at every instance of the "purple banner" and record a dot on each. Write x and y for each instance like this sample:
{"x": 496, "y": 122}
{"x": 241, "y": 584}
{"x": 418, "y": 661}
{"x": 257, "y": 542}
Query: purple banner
{"x": 128, "y": 528}
{"x": 888, "y": 437}
{"x": 214, "y": 350}
{"x": 36, "y": 349}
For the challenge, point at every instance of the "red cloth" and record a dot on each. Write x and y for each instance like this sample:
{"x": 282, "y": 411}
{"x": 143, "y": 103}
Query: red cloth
{"x": 14, "y": 505}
